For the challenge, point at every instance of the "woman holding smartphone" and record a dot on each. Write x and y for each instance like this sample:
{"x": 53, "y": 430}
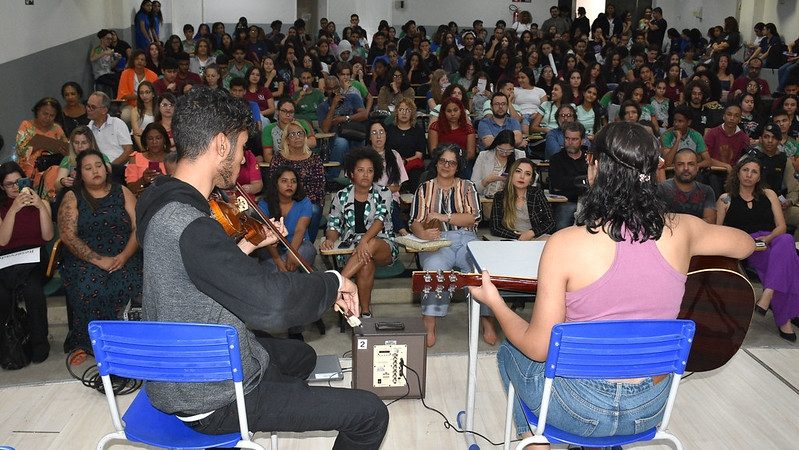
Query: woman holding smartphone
{"x": 146, "y": 165}
{"x": 25, "y": 222}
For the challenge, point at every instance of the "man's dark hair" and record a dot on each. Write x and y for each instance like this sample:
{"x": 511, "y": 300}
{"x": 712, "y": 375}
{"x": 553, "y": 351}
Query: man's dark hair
{"x": 188, "y": 27}
{"x": 624, "y": 194}
{"x": 684, "y": 111}
{"x": 658, "y": 10}
{"x": 574, "y": 126}
{"x": 360, "y": 153}
{"x": 498, "y": 94}
{"x": 169, "y": 63}
{"x": 238, "y": 82}
{"x": 201, "y": 115}
{"x": 182, "y": 56}
{"x": 276, "y": 24}
{"x": 626, "y": 104}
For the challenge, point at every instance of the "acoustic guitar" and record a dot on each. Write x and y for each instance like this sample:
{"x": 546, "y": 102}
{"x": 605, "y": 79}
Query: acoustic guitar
{"x": 718, "y": 298}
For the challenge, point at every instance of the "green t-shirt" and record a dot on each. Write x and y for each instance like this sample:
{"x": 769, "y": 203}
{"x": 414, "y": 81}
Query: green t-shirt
{"x": 361, "y": 88}
{"x": 692, "y": 140}
{"x": 306, "y": 108}
{"x": 272, "y": 134}
{"x": 791, "y": 147}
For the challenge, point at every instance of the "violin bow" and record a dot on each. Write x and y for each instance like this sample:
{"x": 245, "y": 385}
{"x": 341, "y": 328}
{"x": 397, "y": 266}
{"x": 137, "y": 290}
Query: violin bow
{"x": 352, "y": 320}
{"x": 273, "y": 228}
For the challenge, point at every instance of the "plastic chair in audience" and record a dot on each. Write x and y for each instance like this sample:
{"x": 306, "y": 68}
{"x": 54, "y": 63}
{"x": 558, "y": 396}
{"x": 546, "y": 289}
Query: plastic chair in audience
{"x": 617, "y": 349}
{"x": 168, "y": 352}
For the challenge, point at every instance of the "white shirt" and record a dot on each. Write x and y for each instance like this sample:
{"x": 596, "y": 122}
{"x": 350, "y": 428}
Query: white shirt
{"x": 111, "y": 136}
{"x": 528, "y": 99}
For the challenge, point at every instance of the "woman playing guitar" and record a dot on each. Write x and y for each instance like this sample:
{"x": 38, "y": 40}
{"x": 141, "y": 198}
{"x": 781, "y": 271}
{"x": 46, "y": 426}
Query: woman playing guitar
{"x": 627, "y": 259}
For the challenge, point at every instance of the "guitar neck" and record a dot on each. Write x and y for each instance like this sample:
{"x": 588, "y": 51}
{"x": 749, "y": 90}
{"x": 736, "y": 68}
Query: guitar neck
{"x": 501, "y": 282}
{"x": 431, "y": 281}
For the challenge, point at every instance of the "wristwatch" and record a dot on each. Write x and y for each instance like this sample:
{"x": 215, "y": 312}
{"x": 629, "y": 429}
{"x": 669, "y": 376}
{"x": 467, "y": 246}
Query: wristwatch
{"x": 348, "y": 118}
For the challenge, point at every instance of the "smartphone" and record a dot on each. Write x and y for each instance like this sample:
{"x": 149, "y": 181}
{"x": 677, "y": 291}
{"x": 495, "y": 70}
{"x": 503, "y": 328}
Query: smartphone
{"x": 481, "y": 84}
{"x": 22, "y": 183}
{"x": 782, "y": 199}
{"x": 154, "y": 165}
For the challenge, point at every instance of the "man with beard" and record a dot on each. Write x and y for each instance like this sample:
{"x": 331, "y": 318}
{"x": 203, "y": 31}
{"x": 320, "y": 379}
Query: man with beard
{"x": 739, "y": 85}
{"x": 490, "y": 126}
{"x": 194, "y": 272}
{"x": 683, "y": 194}
{"x": 565, "y": 167}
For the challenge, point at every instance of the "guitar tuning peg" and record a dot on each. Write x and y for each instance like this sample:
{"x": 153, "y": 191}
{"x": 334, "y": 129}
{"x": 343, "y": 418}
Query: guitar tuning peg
{"x": 426, "y": 290}
{"x": 427, "y": 278}
{"x": 440, "y": 276}
{"x": 451, "y": 289}
{"x": 452, "y": 277}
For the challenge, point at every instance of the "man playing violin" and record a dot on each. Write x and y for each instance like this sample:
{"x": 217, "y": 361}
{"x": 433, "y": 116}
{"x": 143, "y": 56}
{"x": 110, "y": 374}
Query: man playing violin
{"x": 194, "y": 272}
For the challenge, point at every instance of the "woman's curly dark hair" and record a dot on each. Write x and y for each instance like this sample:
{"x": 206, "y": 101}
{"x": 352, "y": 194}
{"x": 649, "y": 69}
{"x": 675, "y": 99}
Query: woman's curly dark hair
{"x": 624, "y": 194}
{"x": 360, "y": 153}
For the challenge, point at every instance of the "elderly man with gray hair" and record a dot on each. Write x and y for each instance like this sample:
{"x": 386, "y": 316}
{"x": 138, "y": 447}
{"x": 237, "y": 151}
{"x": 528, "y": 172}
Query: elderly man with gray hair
{"x": 111, "y": 133}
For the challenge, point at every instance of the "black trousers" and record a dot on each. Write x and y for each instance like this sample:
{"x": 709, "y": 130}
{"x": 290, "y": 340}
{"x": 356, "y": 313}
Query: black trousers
{"x": 283, "y": 401}
{"x": 28, "y": 278}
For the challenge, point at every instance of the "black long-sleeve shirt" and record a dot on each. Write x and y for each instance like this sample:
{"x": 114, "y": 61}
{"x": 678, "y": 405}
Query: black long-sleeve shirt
{"x": 563, "y": 170}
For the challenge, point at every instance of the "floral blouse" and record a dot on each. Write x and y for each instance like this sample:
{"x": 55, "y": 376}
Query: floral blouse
{"x": 378, "y": 207}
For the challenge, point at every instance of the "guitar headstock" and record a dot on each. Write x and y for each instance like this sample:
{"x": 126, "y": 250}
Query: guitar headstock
{"x": 438, "y": 282}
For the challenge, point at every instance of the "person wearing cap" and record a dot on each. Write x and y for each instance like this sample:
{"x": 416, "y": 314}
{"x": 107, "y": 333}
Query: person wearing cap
{"x": 468, "y": 39}
{"x": 773, "y": 160}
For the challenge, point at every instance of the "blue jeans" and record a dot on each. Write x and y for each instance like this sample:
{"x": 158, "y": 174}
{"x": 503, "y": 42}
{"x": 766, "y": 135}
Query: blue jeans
{"x": 564, "y": 215}
{"x": 593, "y": 408}
{"x": 316, "y": 217}
{"x": 448, "y": 258}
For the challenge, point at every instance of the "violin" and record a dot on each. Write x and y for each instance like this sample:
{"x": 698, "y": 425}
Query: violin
{"x": 237, "y": 223}
{"x": 240, "y": 225}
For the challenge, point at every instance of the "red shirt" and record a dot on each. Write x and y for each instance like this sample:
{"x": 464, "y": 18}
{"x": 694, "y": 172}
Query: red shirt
{"x": 249, "y": 171}
{"x": 725, "y": 148}
{"x": 457, "y": 136}
{"x": 261, "y": 96}
{"x": 27, "y": 231}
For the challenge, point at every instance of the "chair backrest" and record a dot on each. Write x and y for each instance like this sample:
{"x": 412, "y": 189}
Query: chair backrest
{"x": 619, "y": 349}
{"x": 166, "y": 351}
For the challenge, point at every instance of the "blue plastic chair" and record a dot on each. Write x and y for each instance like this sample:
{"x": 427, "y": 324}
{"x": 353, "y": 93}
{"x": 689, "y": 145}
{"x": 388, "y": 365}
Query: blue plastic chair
{"x": 168, "y": 352}
{"x": 608, "y": 350}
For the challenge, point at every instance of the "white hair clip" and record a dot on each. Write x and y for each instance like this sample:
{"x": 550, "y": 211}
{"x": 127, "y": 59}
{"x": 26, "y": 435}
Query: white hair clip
{"x": 643, "y": 178}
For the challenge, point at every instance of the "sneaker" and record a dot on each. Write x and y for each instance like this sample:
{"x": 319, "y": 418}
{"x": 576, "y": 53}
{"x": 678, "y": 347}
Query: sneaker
{"x": 366, "y": 315}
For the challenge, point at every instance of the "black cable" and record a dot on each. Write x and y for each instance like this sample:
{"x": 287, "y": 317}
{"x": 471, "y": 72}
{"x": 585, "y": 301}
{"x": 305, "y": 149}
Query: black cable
{"x": 344, "y": 355}
{"x": 91, "y": 379}
{"x": 447, "y": 424}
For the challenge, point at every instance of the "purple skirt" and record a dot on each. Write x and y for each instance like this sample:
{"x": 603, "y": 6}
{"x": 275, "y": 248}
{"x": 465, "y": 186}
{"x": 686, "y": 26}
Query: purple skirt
{"x": 778, "y": 269}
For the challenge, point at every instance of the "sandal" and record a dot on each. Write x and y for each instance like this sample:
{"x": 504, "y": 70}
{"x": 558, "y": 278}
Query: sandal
{"x": 77, "y": 357}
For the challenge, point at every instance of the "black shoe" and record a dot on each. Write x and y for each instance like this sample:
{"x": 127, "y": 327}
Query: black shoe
{"x": 790, "y": 337}
{"x": 795, "y": 321}
{"x": 761, "y": 310}
{"x": 296, "y": 336}
{"x": 40, "y": 353}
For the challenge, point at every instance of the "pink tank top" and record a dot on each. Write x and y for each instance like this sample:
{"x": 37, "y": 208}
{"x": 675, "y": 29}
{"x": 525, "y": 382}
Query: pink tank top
{"x": 640, "y": 284}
